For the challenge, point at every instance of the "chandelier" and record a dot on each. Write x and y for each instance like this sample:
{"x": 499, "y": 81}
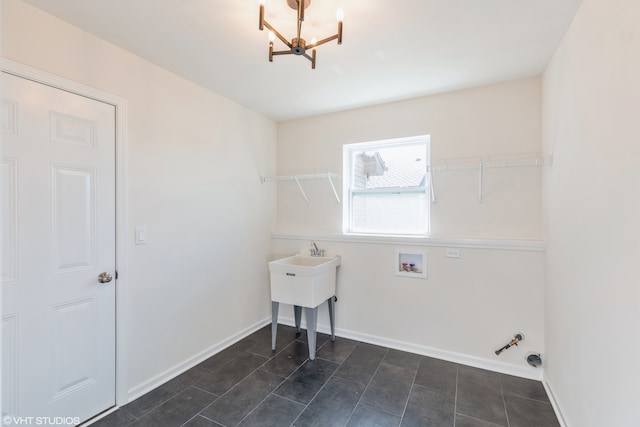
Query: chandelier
{"x": 298, "y": 45}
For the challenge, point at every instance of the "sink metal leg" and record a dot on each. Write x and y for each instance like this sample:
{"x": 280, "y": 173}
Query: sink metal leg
{"x": 332, "y": 318}
{"x": 274, "y": 323}
{"x": 297, "y": 311}
{"x": 312, "y": 320}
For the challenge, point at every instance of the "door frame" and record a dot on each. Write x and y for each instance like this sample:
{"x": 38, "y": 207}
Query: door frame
{"x": 120, "y": 104}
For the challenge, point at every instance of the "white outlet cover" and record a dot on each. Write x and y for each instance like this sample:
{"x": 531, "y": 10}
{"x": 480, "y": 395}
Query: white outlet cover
{"x": 453, "y": 253}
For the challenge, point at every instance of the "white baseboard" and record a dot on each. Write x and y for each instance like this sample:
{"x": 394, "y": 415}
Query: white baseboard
{"x": 554, "y": 404}
{"x": 180, "y": 368}
{"x": 463, "y": 359}
{"x": 505, "y": 368}
{"x": 99, "y": 416}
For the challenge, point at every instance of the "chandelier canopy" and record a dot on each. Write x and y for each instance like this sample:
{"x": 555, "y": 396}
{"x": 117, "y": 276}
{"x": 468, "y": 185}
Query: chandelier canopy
{"x": 298, "y": 45}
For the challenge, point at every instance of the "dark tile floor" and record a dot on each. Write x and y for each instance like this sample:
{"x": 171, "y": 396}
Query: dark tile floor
{"x": 349, "y": 384}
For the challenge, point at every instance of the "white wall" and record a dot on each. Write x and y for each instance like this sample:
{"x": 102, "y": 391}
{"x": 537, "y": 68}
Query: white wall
{"x": 468, "y": 307}
{"x": 486, "y": 123}
{"x": 465, "y": 310}
{"x": 591, "y": 210}
{"x": 194, "y": 166}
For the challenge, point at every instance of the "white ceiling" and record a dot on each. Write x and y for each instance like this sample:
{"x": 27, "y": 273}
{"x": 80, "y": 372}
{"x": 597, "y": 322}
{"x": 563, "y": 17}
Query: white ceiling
{"x": 391, "y": 50}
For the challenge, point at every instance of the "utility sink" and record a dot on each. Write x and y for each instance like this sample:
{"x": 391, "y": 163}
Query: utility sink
{"x": 304, "y": 281}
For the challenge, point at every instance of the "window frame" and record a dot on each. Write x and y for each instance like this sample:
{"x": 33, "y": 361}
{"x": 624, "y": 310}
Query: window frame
{"x": 348, "y": 191}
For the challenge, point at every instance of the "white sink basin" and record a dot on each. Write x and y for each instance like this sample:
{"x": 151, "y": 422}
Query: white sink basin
{"x": 303, "y": 280}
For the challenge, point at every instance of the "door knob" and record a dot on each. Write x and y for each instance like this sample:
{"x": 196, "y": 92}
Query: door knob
{"x": 104, "y": 277}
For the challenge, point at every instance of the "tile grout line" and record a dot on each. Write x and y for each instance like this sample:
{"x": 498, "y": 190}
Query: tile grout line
{"x": 284, "y": 379}
{"x": 204, "y": 391}
{"x": 527, "y": 398}
{"x": 504, "y": 402}
{"x": 516, "y": 393}
{"x": 246, "y": 376}
{"x": 201, "y": 389}
{"x": 455, "y": 400}
{"x": 166, "y": 401}
{"x": 272, "y": 393}
{"x": 367, "y": 386}
{"x": 199, "y": 413}
{"x": 300, "y": 367}
{"x": 241, "y": 379}
{"x": 211, "y": 371}
{"x": 155, "y": 407}
{"x": 207, "y": 418}
{"x": 326, "y": 382}
{"x": 481, "y": 420}
{"x": 413, "y": 383}
{"x": 135, "y": 418}
{"x": 187, "y": 422}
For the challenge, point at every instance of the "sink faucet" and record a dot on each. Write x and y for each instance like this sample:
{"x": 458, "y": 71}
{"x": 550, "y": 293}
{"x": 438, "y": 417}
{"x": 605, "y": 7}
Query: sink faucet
{"x": 315, "y": 251}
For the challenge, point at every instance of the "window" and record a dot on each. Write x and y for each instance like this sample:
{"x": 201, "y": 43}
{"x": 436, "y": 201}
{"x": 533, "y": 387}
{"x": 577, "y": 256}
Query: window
{"x": 386, "y": 187}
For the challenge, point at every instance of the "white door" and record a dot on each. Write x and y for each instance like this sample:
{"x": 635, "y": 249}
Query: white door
{"x": 57, "y": 175}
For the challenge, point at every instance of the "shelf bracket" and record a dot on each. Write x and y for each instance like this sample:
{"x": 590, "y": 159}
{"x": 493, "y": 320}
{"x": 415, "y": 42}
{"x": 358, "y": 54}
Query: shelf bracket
{"x": 306, "y": 199}
{"x": 431, "y": 187}
{"x": 333, "y": 187}
{"x": 480, "y": 179}
{"x": 297, "y": 178}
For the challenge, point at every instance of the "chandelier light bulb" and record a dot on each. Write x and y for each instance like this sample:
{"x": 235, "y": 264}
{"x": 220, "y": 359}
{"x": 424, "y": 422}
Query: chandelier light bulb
{"x": 297, "y": 45}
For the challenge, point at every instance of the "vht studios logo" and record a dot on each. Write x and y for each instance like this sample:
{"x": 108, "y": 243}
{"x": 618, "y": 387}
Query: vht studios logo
{"x": 40, "y": 421}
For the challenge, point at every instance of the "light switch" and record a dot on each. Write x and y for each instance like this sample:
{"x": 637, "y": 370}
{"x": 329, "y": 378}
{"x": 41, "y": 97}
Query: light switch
{"x": 141, "y": 235}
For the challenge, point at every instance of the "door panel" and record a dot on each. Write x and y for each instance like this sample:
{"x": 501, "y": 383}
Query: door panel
{"x": 58, "y": 225}
{"x": 73, "y": 328}
{"x": 73, "y": 218}
{"x": 9, "y": 230}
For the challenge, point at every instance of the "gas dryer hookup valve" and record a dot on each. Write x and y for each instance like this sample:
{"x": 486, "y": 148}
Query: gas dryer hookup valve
{"x": 519, "y": 336}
